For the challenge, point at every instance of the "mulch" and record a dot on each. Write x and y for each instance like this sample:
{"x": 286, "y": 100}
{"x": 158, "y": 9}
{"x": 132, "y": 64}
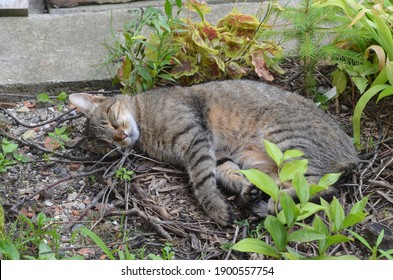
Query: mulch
{"x": 156, "y": 206}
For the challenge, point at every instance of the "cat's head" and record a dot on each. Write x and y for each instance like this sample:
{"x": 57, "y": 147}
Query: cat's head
{"x": 109, "y": 118}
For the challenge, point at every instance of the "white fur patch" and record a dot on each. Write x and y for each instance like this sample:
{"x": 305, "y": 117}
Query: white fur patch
{"x": 130, "y": 128}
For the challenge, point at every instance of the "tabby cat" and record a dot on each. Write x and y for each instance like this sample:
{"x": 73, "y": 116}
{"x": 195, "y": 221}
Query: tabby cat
{"x": 212, "y": 129}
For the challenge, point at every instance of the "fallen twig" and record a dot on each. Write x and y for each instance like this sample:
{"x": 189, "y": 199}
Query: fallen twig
{"x": 42, "y": 123}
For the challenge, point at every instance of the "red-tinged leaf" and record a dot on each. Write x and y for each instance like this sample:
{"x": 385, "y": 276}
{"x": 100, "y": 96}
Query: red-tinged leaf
{"x": 232, "y": 49}
{"x": 197, "y": 6}
{"x": 187, "y": 66}
{"x": 51, "y": 144}
{"x": 209, "y": 32}
{"x": 235, "y": 70}
{"x": 191, "y": 80}
{"x": 211, "y": 69}
{"x": 239, "y": 20}
{"x": 258, "y": 60}
{"x": 204, "y": 45}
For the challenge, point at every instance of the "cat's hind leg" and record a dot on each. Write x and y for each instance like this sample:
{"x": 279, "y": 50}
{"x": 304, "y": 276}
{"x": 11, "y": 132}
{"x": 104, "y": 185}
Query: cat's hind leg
{"x": 232, "y": 181}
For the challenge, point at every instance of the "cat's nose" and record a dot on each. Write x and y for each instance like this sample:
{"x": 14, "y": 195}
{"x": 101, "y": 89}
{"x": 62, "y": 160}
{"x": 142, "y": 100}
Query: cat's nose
{"x": 120, "y": 135}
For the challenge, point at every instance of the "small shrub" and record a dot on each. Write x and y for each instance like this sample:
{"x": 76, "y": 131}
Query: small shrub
{"x": 374, "y": 76}
{"x": 288, "y": 226}
{"x": 9, "y": 156}
{"x": 181, "y": 50}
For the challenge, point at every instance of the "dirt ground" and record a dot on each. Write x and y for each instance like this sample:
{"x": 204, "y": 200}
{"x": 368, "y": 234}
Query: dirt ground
{"x": 156, "y": 206}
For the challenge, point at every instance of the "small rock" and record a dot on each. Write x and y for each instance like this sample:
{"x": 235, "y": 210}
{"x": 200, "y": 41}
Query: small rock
{"x": 72, "y": 196}
{"x": 29, "y": 135}
{"x": 74, "y": 166}
{"x": 23, "y": 109}
{"x": 44, "y": 116}
{"x": 47, "y": 127}
{"x": 81, "y": 206}
{"x": 48, "y": 203}
{"x": 35, "y": 120}
{"x": 69, "y": 205}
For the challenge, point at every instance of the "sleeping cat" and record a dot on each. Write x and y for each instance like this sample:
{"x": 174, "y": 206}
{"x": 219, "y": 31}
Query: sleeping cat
{"x": 212, "y": 129}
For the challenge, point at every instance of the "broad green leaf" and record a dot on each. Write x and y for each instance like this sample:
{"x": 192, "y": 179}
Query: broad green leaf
{"x": 314, "y": 189}
{"x": 253, "y": 245}
{"x": 329, "y": 179}
{"x": 43, "y": 97}
{"x": 309, "y": 209}
{"x": 45, "y": 252}
{"x": 339, "y": 80}
{"x": 274, "y": 152}
{"x": 301, "y": 187}
{"x": 168, "y": 8}
{"x": 9, "y": 250}
{"x": 8, "y": 147}
{"x": 321, "y": 227}
{"x": 262, "y": 181}
{"x": 353, "y": 219}
{"x": 359, "y": 206}
{"x": 338, "y": 238}
{"x": 62, "y": 96}
{"x": 277, "y": 231}
{"x": 306, "y": 235}
{"x": 291, "y": 211}
{"x": 289, "y": 154}
{"x": 338, "y": 214}
{"x": 289, "y": 169}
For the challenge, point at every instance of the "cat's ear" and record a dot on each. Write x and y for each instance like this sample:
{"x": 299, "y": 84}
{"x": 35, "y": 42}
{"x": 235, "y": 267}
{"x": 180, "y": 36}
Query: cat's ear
{"x": 86, "y": 103}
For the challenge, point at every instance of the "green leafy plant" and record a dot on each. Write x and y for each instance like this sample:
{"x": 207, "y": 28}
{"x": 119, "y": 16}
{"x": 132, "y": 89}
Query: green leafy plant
{"x": 312, "y": 28}
{"x": 124, "y": 252}
{"x": 9, "y": 156}
{"x": 375, "y": 252}
{"x": 375, "y": 75}
{"x": 31, "y": 240}
{"x": 288, "y": 226}
{"x": 58, "y": 101}
{"x": 179, "y": 49}
{"x": 124, "y": 174}
{"x": 59, "y": 136}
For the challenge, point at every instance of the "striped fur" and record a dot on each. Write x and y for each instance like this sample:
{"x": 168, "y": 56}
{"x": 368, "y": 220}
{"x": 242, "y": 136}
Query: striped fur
{"x": 215, "y": 128}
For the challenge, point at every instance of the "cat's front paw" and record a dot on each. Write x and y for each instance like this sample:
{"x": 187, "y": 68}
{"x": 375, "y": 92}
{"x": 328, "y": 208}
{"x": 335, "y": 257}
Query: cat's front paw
{"x": 251, "y": 195}
{"x": 221, "y": 213}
